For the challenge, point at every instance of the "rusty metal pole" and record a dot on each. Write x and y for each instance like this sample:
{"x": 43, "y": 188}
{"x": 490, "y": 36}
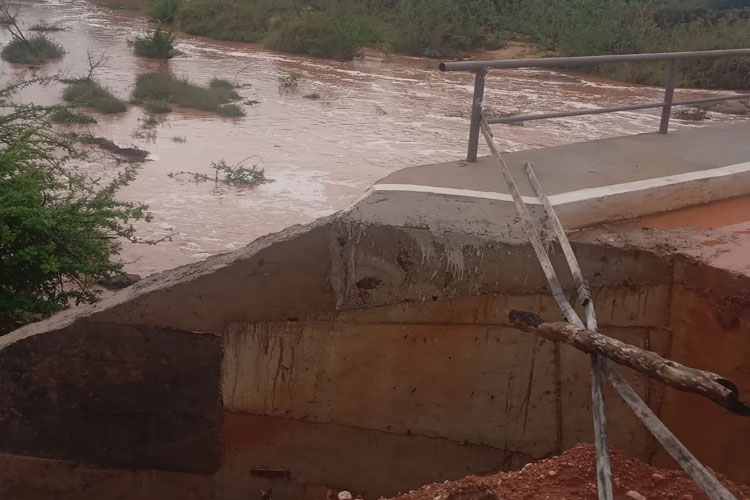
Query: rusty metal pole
{"x": 476, "y": 114}
{"x": 666, "y": 111}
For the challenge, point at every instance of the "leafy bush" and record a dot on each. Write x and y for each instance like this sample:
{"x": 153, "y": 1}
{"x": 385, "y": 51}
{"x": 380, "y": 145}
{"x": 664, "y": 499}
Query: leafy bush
{"x": 33, "y": 50}
{"x": 88, "y": 93}
{"x": 68, "y": 116}
{"x": 164, "y": 11}
{"x": 166, "y": 87}
{"x": 156, "y": 44}
{"x": 59, "y": 227}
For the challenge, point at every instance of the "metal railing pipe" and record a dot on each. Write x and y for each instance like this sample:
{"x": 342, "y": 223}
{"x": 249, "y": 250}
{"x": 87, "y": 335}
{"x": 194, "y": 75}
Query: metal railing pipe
{"x": 551, "y": 62}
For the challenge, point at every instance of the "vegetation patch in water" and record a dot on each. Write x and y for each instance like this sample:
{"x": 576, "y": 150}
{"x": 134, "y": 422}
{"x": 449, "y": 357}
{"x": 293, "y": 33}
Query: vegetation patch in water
{"x": 66, "y": 115}
{"x": 231, "y": 175}
{"x": 32, "y": 50}
{"x": 157, "y": 44}
{"x": 44, "y": 26}
{"x": 90, "y": 94}
{"x": 166, "y": 87}
{"x": 230, "y": 110}
{"x": 157, "y": 106}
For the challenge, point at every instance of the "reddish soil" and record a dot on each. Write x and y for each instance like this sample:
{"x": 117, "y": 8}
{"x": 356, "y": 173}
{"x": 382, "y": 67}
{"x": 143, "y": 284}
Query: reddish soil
{"x": 572, "y": 476}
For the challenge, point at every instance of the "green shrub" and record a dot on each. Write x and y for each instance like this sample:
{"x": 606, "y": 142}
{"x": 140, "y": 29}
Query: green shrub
{"x": 35, "y": 49}
{"x": 90, "y": 94}
{"x": 68, "y": 116}
{"x": 164, "y": 11}
{"x": 441, "y": 28}
{"x": 238, "y": 20}
{"x": 166, "y": 87}
{"x": 157, "y": 106}
{"x": 334, "y": 34}
{"x": 156, "y": 44}
{"x": 60, "y": 229}
{"x": 230, "y": 110}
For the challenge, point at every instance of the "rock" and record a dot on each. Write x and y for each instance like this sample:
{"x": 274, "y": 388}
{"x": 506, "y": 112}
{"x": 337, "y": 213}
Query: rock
{"x": 472, "y": 492}
{"x": 344, "y": 495}
{"x": 635, "y": 495}
{"x": 119, "y": 281}
{"x": 552, "y": 473}
{"x": 687, "y": 497}
{"x": 657, "y": 477}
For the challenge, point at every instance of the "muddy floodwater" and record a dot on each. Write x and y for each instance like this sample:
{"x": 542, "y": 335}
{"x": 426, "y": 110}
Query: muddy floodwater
{"x": 374, "y": 115}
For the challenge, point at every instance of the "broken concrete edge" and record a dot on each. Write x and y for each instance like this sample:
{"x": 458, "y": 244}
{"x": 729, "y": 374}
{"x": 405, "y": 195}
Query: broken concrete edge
{"x": 160, "y": 282}
{"x": 337, "y": 238}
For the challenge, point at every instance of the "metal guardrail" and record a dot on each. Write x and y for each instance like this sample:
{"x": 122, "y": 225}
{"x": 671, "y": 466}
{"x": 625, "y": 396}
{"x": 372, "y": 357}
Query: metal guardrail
{"x": 480, "y": 68}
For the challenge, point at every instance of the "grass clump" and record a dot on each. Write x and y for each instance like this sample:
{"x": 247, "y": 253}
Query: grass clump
{"x": 68, "y": 116}
{"x": 157, "y": 106}
{"x": 168, "y": 88}
{"x": 164, "y": 11}
{"x": 32, "y": 50}
{"x": 90, "y": 94}
{"x": 157, "y": 44}
{"x": 230, "y": 110}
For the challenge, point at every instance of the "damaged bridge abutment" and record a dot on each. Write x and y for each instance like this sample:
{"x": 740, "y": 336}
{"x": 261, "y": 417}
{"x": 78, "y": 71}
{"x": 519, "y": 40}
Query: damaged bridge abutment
{"x": 368, "y": 357}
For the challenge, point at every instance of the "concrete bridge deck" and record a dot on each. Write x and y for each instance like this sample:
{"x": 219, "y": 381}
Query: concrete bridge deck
{"x": 589, "y": 183}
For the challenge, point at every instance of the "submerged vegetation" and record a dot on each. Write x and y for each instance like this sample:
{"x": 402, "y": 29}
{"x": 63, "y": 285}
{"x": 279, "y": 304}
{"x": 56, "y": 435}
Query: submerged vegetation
{"x": 88, "y": 93}
{"x": 339, "y": 29}
{"x": 157, "y": 44}
{"x": 68, "y": 116}
{"x": 224, "y": 174}
{"x": 166, "y": 88}
{"x": 32, "y": 50}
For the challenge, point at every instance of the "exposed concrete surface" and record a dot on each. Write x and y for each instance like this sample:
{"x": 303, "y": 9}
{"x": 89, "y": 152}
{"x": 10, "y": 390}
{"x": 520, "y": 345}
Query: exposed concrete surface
{"x": 594, "y": 163}
{"x": 591, "y": 182}
{"x": 112, "y": 395}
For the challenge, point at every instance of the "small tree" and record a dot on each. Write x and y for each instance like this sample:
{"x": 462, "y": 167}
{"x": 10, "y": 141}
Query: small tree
{"x": 59, "y": 227}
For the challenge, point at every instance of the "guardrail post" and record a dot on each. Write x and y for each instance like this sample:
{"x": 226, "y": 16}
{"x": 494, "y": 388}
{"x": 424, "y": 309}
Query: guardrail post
{"x": 666, "y": 111}
{"x": 476, "y": 114}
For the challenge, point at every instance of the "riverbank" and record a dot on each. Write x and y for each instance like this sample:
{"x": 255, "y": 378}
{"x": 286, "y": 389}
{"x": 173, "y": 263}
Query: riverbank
{"x": 449, "y": 29}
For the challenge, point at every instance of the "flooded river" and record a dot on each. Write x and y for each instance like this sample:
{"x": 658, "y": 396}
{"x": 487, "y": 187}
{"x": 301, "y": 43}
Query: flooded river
{"x": 376, "y": 115}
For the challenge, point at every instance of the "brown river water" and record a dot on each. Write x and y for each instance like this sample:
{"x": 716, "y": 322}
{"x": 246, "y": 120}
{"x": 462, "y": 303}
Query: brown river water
{"x": 377, "y": 114}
